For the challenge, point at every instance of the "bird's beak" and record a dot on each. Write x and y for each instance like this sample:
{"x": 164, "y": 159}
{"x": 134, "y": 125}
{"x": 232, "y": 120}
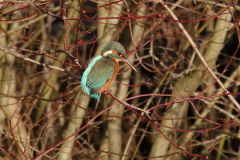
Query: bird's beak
{"x": 128, "y": 63}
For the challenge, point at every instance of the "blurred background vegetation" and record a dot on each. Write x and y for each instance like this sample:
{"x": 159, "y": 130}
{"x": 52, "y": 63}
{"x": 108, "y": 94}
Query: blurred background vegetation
{"x": 179, "y": 47}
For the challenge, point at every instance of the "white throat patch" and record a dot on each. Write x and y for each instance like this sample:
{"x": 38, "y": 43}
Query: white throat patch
{"x": 107, "y": 53}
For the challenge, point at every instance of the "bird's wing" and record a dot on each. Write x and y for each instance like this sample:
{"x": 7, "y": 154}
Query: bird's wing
{"x": 99, "y": 74}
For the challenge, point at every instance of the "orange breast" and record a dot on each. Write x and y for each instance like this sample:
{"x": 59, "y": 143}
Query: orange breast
{"x": 116, "y": 69}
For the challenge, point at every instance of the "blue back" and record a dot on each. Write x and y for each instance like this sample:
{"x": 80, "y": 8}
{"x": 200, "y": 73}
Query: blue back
{"x": 97, "y": 74}
{"x": 85, "y": 77}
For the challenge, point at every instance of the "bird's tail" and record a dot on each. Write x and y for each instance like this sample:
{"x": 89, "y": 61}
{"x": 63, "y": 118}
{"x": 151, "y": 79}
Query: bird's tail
{"x": 95, "y": 96}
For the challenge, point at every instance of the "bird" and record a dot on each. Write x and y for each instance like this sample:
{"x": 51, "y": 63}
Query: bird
{"x": 102, "y": 69}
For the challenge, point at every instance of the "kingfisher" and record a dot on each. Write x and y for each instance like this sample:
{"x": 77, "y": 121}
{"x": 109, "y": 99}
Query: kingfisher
{"x": 103, "y": 68}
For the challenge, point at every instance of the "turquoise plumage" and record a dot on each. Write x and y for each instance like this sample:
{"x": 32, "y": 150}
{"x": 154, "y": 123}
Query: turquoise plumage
{"x": 102, "y": 69}
{"x": 96, "y": 75}
{"x": 85, "y": 78}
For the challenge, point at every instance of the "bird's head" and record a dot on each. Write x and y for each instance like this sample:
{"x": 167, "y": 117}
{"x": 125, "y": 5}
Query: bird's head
{"x": 117, "y": 52}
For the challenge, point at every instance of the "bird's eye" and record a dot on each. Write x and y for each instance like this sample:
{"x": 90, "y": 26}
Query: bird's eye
{"x": 119, "y": 53}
